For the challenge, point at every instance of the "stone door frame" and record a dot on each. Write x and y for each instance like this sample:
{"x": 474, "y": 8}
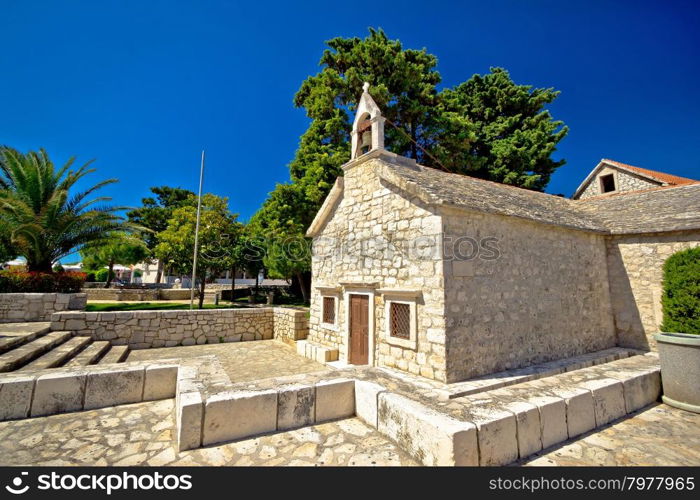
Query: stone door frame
{"x": 369, "y": 292}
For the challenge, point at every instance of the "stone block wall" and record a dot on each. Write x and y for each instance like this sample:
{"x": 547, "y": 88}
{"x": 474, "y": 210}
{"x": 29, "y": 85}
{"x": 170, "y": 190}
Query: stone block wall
{"x": 635, "y": 264}
{"x": 146, "y": 329}
{"x": 137, "y": 294}
{"x": 544, "y": 297}
{"x": 377, "y": 239}
{"x": 623, "y": 182}
{"x": 291, "y": 324}
{"x": 20, "y": 307}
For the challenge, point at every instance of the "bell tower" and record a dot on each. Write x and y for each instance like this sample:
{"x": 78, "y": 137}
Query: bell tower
{"x": 368, "y": 126}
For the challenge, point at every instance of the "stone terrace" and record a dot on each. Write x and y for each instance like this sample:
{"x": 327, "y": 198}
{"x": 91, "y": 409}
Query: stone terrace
{"x": 143, "y": 434}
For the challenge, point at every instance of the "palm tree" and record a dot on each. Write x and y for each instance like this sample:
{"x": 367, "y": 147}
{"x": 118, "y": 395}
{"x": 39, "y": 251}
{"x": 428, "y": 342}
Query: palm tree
{"x": 44, "y": 221}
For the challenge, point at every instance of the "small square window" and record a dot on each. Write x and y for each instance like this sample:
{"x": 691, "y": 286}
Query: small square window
{"x": 400, "y": 320}
{"x": 607, "y": 183}
{"x": 329, "y": 310}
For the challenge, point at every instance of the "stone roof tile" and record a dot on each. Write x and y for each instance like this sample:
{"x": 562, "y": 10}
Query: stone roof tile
{"x": 657, "y": 210}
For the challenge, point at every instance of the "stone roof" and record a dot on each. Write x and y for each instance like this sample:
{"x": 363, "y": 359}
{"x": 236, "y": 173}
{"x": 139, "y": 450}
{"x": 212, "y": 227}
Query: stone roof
{"x": 668, "y": 208}
{"x": 654, "y": 177}
{"x": 669, "y": 179}
{"x": 659, "y": 209}
{"x": 460, "y": 191}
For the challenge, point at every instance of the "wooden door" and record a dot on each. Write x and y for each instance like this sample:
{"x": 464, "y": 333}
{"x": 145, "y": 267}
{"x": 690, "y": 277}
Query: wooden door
{"x": 359, "y": 329}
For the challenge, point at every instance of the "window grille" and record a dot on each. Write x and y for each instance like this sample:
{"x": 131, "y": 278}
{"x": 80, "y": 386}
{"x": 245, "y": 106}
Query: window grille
{"x": 400, "y": 320}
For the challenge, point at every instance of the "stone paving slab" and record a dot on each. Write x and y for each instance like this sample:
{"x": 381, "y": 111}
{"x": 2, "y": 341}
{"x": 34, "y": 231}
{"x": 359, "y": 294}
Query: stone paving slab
{"x": 242, "y": 361}
{"x": 658, "y": 435}
{"x": 143, "y": 434}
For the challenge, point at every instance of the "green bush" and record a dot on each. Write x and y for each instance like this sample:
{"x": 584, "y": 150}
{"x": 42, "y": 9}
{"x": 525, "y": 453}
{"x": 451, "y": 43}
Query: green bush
{"x": 101, "y": 275}
{"x": 681, "y": 298}
{"x": 25, "y": 282}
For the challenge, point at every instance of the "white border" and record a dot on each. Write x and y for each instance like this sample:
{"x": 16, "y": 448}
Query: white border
{"x": 412, "y": 341}
{"x": 336, "y": 306}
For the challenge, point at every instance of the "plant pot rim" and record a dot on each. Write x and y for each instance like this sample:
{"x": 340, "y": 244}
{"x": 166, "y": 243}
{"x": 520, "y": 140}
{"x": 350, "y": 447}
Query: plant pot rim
{"x": 689, "y": 339}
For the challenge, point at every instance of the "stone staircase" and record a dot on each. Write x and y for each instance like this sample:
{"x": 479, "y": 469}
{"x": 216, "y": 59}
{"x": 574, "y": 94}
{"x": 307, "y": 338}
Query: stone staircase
{"x": 33, "y": 346}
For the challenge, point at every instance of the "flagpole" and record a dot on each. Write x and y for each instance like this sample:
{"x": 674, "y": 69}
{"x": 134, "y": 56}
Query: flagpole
{"x": 196, "y": 232}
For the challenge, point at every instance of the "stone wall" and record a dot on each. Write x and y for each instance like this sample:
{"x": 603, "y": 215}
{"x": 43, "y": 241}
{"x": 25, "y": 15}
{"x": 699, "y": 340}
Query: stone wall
{"x": 146, "y": 329}
{"x": 138, "y": 294}
{"x": 19, "y": 307}
{"x": 291, "y": 324}
{"x": 543, "y": 297}
{"x": 635, "y": 265}
{"x": 624, "y": 181}
{"x": 374, "y": 240}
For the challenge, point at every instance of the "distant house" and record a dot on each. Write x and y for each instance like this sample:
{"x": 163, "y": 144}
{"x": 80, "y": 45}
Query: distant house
{"x": 450, "y": 277}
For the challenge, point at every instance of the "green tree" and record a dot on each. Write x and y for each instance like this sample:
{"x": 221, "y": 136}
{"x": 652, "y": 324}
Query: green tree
{"x": 155, "y": 212}
{"x": 239, "y": 251}
{"x": 403, "y": 85}
{"x": 279, "y": 226}
{"x": 121, "y": 248}
{"x": 7, "y": 249}
{"x": 681, "y": 296}
{"x": 511, "y": 135}
{"x": 217, "y": 233}
{"x": 487, "y": 127}
{"x": 44, "y": 220}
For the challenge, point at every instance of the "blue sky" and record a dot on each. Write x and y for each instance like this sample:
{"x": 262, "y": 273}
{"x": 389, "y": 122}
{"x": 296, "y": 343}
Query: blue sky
{"x": 144, "y": 86}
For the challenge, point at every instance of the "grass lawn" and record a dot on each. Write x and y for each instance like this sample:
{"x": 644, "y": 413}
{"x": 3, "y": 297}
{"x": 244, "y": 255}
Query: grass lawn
{"x": 149, "y": 306}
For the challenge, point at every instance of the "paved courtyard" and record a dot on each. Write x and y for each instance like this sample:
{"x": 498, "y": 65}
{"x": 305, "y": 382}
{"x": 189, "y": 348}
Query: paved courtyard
{"x": 657, "y": 435}
{"x": 242, "y": 361}
{"x": 142, "y": 434}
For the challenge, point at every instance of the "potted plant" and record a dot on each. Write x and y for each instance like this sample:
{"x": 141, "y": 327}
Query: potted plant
{"x": 679, "y": 341}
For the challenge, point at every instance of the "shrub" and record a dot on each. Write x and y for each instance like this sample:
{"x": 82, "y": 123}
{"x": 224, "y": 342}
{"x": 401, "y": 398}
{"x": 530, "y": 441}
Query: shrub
{"x": 101, "y": 275}
{"x": 681, "y": 298}
{"x": 90, "y": 276}
{"x": 26, "y": 282}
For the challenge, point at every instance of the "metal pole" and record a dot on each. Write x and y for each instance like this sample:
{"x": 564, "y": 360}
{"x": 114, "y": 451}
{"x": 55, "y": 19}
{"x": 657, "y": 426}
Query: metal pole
{"x": 196, "y": 232}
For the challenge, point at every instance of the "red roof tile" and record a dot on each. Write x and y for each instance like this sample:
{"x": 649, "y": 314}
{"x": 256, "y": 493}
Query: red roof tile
{"x": 673, "y": 180}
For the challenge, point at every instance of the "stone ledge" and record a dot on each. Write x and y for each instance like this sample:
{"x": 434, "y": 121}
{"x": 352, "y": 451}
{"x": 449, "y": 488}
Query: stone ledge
{"x": 316, "y": 352}
{"x": 146, "y": 329}
{"x": 40, "y": 393}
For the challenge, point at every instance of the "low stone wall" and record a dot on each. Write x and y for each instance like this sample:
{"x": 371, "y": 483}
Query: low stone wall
{"x": 65, "y": 389}
{"x": 291, "y": 324}
{"x": 138, "y": 294}
{"x": 19, "y": 307}
{"x": 146, "y": 329}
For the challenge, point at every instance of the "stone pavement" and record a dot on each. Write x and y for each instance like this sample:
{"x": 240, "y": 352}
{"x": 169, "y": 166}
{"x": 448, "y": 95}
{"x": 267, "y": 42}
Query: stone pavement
{"x": 143, "y": 434}
{"x": 655, "y": 436}
{"x": 242, "y": 361}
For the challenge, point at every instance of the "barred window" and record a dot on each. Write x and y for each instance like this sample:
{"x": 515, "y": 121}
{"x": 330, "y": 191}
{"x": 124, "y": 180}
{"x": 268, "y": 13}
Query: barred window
{"x": 329, "y": 310}
{"x": 400, "y": 320}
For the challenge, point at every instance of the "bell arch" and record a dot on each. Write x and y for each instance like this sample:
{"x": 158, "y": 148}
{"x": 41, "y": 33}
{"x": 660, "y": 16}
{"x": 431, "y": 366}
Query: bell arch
{"x": 368, "y": 126}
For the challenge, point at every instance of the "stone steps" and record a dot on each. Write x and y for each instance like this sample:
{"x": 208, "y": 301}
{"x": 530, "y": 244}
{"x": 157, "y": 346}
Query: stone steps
{"x": 520, "y": 375}
{"x": 16, "y": 334}
{"x": 116, "y": 354}
{"x": 501, "y": 426}
{"x": 25, "y": 353}
{"x": 91, "y": 355}
{"x": 59, "y": 354}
